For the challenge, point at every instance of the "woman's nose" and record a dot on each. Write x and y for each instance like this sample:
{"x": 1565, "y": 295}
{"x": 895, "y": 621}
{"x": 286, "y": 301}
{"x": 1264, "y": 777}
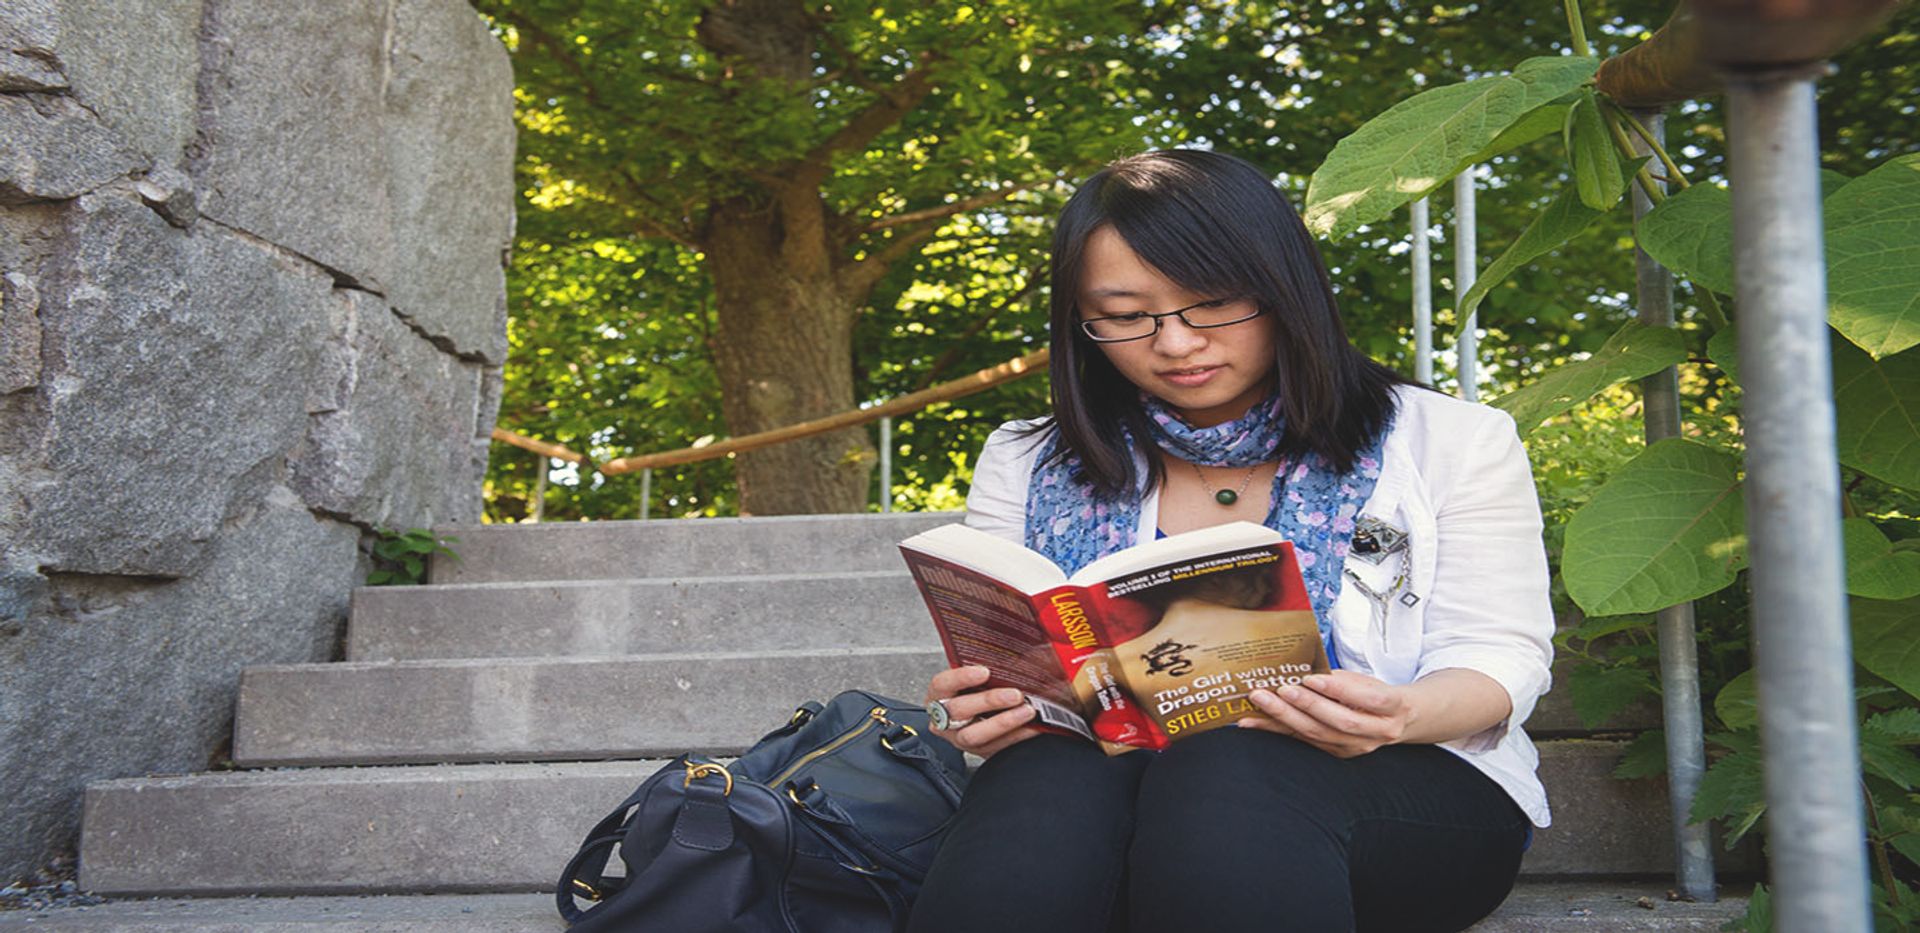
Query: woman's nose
{"x": 1176, "y": 338}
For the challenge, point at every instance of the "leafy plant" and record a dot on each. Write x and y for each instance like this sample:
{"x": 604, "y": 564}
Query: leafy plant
{"x": 400, "y": 557}
{"x": 1667, "y": 525}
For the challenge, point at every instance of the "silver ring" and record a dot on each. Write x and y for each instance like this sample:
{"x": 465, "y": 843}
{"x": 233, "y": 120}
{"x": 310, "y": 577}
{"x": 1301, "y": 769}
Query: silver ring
{"x": 938, "y": 716}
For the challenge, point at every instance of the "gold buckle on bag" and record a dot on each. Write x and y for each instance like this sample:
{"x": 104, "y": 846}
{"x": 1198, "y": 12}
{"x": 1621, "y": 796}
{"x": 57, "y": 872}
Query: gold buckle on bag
{"x": 708, "y": 769}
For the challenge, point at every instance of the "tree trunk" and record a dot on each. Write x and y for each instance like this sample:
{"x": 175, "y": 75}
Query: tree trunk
{"x": 784, "y": 351}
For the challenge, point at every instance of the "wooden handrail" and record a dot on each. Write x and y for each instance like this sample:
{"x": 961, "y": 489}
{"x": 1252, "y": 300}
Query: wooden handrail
{"x": 947, "y": 391}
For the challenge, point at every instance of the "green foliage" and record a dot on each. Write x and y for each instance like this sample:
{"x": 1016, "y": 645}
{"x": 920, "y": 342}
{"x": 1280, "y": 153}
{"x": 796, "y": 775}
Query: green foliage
{"x": 1884, "y": 642}
{"x": 1635, "y": 350}
{"x": 1875, "y": 568}
{"x": 1560, "y": 222}
{"x": 1667, "y": 528}
{"x": 1873, "y": 257}
{"x": 400, "y": 557}
{"x": 1691, "y": 233}
{"x": 1877, "y": 416}
{"x": 1596, "y": 169}
{"x": 1599, "y": 692}
{"x": 1419, "y": 144}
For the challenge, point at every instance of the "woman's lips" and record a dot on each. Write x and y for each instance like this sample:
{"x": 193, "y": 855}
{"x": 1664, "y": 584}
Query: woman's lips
{"x": 1191, "y": 376}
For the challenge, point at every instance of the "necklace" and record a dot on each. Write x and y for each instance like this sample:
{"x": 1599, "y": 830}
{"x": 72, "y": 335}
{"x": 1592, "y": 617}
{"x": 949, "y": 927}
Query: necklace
{"x": 1226, "y": 497}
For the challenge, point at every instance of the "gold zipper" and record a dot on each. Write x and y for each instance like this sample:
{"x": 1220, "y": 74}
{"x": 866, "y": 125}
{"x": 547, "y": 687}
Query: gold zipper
{"x": 876, "y": 716}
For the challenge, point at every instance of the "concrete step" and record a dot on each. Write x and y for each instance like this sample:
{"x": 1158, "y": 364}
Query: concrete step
{"x": 510, "y": 827}
{"x": 600, "y": 618}
{"x": 551, "y": 709}
{"x": 569, "y": 709}
{"x": 1559, "y": 907}
{"x": 694, "y": 547}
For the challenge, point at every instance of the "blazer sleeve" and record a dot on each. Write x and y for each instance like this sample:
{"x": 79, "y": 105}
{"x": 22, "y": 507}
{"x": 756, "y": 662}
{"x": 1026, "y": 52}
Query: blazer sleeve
{"x": 997, "y": 503}
{"x": 1491, "y": 611}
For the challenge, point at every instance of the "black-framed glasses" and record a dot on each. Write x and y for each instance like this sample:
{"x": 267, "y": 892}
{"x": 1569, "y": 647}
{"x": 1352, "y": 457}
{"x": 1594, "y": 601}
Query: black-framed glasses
{"x": 1214, "y": 312}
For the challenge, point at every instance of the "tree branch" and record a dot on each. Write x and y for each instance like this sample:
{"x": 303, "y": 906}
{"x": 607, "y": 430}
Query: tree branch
{"x": 857, "y": 280}
{"x": 957, "y": 207}
{"x": 893, "y": 104}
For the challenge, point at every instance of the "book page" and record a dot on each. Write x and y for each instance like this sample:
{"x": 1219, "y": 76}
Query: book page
{"x": 986, "y": 622}
{"x": 1189, "y": 545}
{"x": 1191, "y": 639}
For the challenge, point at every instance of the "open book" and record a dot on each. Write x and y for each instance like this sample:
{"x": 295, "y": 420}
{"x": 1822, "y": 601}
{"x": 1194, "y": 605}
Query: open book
{"x": 1141, "y": 647}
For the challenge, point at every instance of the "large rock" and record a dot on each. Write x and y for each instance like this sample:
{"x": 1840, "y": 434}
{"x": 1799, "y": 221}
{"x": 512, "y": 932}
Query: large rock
{"x": 118, "y": 675}
{"x": 55, "y": 149}
{"x": 133, "y": 64}
{"x": 177, "y": 370}
{"x": 452, "y": 205}
{"x": 291, "y": 145}
{"x": 382, "y": 381}
{"x": 29, "y": 29}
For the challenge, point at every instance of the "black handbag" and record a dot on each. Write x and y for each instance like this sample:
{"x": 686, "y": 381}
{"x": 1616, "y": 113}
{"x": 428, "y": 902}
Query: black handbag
{"x": 827, "y": 823}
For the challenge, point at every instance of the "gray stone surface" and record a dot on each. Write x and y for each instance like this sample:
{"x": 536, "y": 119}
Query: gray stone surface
{"x": 452, "y": 205}
{"x": 29, "y": 30}
{"x": 157, "y": 359}
{"x": 56, "y": 150}
{"x": 178, "y": 365}
{"x": 553, "y": 710}
{"x": 1531, "y": 908}
{"x": 114, "y": 675}
{"x": 507, "y": 827}
{"x": 292, "y": 147}
{"x": 599, "y": 618}
{"x": 362, "y": 830}
{"x": 378, "y": 381}
{"x": 703, "y": 547}
{"x": 133, "y": 63}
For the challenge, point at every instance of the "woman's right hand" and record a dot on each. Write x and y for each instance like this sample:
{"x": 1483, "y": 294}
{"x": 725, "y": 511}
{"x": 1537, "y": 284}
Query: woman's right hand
{"x": 987, "y": 720}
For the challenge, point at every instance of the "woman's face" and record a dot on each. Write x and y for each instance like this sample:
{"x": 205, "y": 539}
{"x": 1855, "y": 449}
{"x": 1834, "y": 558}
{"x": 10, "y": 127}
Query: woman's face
{"x": 1208, "y": 375}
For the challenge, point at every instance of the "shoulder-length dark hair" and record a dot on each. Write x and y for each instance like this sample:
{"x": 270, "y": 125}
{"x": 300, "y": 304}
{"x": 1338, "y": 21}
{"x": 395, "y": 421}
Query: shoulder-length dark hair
{"x": 1215, "y": 225}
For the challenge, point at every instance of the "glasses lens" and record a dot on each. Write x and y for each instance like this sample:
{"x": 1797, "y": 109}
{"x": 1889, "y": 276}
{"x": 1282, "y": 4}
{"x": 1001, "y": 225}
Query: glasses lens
{"x": 1119, "y": 328}
{"x": 1221, "y": 313}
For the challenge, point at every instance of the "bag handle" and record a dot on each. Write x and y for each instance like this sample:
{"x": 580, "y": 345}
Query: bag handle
{"x": 908, "y": 745}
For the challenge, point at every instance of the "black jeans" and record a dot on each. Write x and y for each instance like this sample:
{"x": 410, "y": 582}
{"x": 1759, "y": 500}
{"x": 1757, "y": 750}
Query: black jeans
{"x": 1229, "y": 830}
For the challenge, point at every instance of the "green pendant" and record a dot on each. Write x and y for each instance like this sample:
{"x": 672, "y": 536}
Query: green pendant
{"x": 1226, "y": 497}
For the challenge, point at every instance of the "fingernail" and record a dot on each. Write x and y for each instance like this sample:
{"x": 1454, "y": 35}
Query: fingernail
{"x": 975, "y": 667}
{"x": 1007, "y": 697}
{"x": 1314, "y": 680}
{"x": 1291, "y": 692}
{"x": 1261, "y": 695}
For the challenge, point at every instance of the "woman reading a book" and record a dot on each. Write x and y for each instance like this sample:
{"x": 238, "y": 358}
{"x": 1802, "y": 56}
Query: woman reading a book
{"x": 1200, "y": 375}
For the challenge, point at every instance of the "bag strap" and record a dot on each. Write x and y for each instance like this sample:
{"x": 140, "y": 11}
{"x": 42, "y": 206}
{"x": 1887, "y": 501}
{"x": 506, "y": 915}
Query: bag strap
{"x": 591, "y": 861}
{"x": 908, "y": 745}
{"x": 827, "y": 820}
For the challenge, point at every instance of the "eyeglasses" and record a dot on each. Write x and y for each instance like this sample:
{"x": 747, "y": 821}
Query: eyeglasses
{"x": 1216, "y": 312}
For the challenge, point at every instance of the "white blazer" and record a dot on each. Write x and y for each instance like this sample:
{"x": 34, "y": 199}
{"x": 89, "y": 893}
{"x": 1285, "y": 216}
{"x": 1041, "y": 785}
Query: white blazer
{"x": 1454, "y": 477}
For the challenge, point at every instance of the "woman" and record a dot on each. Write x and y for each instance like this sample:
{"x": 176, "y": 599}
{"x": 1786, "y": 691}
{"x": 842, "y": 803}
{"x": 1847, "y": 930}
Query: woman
{"x": 1196, "y": 352}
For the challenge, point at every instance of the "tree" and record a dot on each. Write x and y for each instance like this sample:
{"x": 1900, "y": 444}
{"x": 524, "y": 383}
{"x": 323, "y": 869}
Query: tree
{"x": 802, "y": 153}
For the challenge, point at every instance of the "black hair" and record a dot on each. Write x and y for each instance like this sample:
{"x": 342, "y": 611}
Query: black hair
{"x": 1215, "y": 225}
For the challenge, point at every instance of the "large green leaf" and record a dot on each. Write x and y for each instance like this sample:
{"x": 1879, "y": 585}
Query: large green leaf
{"x": 1691, "y": 233}
{"x": 1420, "y": 143}
{"x": 1634, "y": 351}
{"x": 1538, "y": 122}
{"x": 1596, "y": 169}
{"x": 1667, "y": 527}
{"x": 1874, "y": 568}
{"x": 1553, "y": 227}
{"x": 1873, "y": 257}
{"x": 1877, "y": 413}
{"x": 1885, "y": 642}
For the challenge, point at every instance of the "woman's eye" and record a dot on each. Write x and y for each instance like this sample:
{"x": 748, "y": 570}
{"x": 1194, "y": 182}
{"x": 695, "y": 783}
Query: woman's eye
{"x": 1135, "y": 316}
{"x": 1216, "y": 303}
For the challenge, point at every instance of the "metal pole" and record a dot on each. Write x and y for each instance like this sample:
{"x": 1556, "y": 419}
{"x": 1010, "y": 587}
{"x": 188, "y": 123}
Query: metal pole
{"x": 1465, "y": 267}
{"x": 1422, "y": 297}
{"x": 646, "y": 492}
{"x": 1802, "y": 657}
{"x": 1679, "y": 664}
{"x": 540, "y": 489}
{"x": 886, "y": 464}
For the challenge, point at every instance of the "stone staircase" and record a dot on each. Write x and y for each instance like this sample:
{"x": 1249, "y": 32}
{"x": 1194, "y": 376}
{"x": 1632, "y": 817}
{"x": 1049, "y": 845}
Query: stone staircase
{"x": 481, "y": 723}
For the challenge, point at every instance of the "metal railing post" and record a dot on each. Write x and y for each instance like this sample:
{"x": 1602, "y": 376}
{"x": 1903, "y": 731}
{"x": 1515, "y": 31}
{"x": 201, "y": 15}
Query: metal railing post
{"x": 1802, "y": 653}
{"x": 1422, "y": 297}
{"x": 1679, "y": 661}
{"x": 1466, "y": 265}
{"x": 540, "y": 481}
{"x": 646, "y": 492}
{"x": 886, "y": 464}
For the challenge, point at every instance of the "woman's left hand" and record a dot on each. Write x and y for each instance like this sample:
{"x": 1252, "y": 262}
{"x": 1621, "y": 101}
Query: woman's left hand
{"x": 1343, "y": 713}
